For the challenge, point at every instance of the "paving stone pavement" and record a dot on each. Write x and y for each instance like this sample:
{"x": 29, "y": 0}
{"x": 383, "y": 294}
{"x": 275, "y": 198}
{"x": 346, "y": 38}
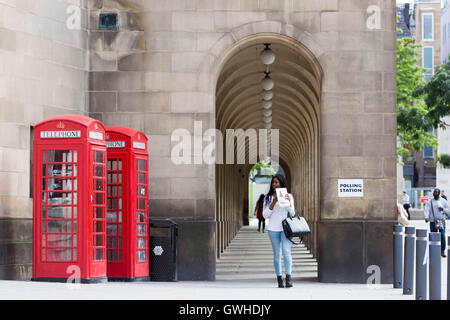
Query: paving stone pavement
{"x": 249, "y": 257}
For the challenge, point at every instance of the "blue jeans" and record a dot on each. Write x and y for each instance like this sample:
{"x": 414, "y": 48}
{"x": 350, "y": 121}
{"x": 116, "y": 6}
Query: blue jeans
{"x": 433, "y": 229}
{"x": 280, "y": 244}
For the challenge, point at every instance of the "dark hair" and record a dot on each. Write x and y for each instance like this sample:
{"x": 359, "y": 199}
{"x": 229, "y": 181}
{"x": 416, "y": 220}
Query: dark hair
{"x": 260, "y": 202}
{"x": 283, "y": 184}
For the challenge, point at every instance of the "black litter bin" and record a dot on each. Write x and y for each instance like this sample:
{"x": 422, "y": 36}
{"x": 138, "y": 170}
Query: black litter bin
{"x": 163, "y": 250}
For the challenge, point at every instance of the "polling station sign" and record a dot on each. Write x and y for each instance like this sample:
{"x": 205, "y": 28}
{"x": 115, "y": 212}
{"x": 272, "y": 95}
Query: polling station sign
{"x": 351, "y": 188}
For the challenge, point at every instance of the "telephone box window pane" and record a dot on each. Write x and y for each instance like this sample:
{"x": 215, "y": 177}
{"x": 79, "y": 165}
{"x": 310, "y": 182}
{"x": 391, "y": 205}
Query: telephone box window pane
{"x": 112, "y": 217}
{"x": 75, "y": 182}
{"x": 99, "y": 213}
{"x": 44, "y": 184}
{"x": 142, "y": 256}
{"x": 44, "y": 197}
{"x": 59, "y": 240}
{"x": 74, "y": 212}
{"x": 59, "y": 254}
{"x": 120, "y": 229}
{"x": 119, "y": 255}
{"x": 44, "y": 156}
{"x": 75, "y": 156}
{"x": 44, "y": 240}
{"x": 120, "y": 243}
{"x": 59, "y": 226}
{"x": 59, "y": 198}
{"x": 44, "y": 212}
{"x": 141, "y": 217}
{"x": 75, "y": 198}
{"x": 75, "y": 240}
{"x": 74, "y": 254}
{"x": 141, "y": 243}
{"x": 44, "y": 170}
{"x": 112, "y": 243}
{"x": 141, "y": 230}
{"x": 119, "y": 189}
{"x": 60, "y": 184}
{"x": 142, "y": 165}
{"x": 98, "y": 254}
{"x": 59, "y": 156}
{"x": 99, "y": 185}
{"x": 75, "y": 227}
{"x": 44, "y": 226}
{"x": 99, "y": 226}
{"x": 60, "y": 212}
{"x": 99, "y": 157}
{"x": 141, "y": 191}
{"x": 141, "y": 178}
{"x": 99, "y": 241}
{"x": 99, "y": 198}
{"x": 114, "y": 165}
{"x": 119, "y": 164}
{"x": 111, "y": 229}
{"x": 112, "y": 255}
{"x": 60, "y": 170}
{"x": 99, "y": 171}
{"x": 141, "y": 204}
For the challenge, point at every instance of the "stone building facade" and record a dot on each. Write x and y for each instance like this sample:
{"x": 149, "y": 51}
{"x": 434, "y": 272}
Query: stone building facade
{"x": 179, "y": 64}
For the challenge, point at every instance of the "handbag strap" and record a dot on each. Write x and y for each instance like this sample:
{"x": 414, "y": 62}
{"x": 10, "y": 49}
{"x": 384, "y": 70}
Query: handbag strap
{"x": 301, "y": 239}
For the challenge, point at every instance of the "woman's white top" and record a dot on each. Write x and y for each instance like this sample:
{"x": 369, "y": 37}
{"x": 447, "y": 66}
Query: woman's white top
{"x": 277, "y": 215}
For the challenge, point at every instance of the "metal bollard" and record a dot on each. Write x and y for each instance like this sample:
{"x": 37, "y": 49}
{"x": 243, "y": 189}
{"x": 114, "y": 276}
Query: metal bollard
{"x": 421, "y": 264}
{"x": 398, "y": 256}
{"x": 408, "y": 285}
{"x": 448, "y": 268}
{"x": 435, "y": 265}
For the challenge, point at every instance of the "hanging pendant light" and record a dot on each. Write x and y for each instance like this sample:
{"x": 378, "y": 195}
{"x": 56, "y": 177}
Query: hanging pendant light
{"x": 267, "y": 105}
{"x": 267, "y": 56}
{"x": 268, "y": 119}
{"x": 267, "y": 113}
{"x": 267, "y": 83}
{"x": 267, "y": 95}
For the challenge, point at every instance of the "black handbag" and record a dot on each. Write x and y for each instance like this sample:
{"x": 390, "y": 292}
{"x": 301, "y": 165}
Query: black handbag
{"x": 295, "y": 227}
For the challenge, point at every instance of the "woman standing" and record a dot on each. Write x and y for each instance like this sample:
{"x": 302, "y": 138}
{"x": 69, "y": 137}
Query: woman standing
{"x": 280, "y": 244}
{"x": 259, "y": 213}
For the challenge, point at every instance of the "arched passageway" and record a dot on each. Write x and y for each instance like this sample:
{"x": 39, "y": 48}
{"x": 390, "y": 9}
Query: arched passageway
{"x": 295, "y": 113}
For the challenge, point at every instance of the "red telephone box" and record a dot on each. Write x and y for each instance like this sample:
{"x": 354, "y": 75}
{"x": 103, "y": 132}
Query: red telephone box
{"x": 127, "y": 209}
{"x": 69, "y": 205}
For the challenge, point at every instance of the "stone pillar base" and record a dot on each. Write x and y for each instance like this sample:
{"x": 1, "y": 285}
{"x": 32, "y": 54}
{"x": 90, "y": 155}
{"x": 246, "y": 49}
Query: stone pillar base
{"x": 348, "y": 247}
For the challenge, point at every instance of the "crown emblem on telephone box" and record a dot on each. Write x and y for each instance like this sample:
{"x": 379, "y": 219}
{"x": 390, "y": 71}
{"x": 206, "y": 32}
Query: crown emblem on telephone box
{"x": 60, "y": 125}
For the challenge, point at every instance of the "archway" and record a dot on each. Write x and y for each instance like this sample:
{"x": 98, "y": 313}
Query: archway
{"x": 295, "y": 112}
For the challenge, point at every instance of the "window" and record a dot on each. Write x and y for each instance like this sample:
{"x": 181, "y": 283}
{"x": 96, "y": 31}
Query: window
{"x": 444, "y": 33}
{"x": 427, "y": 60}
{"x": 448, "y": 30}
{"x": 428, "y": 152}
{"x": 427, "y": 27}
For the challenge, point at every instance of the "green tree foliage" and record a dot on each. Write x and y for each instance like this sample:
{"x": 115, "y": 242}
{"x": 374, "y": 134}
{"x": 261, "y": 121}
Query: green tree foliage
{"x": 437, "y": 96}
{"x": 413, "y": 124}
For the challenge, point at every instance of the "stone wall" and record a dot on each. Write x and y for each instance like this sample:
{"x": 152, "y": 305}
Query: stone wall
{"x": 43, "y": 72}
{"x": 158, "y": 72}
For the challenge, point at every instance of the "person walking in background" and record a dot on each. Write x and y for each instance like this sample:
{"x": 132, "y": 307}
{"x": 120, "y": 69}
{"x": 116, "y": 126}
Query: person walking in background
{"x": 443, "y": 195}
{"x": 280, "y": 244}
{"x": 259, "y": 213}
{"x": 406, "y": 205}
{"x": 435, "y": 212}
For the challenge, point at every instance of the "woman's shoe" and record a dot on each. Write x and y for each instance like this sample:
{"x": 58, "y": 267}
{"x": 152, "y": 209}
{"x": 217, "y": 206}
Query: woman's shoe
{"x": 289, "y": 283}
{"x": 280, "y": 282}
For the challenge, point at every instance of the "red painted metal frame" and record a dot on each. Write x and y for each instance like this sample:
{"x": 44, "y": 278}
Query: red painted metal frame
{"x": 131, "y": 146}
{"x": 85, "y": 136}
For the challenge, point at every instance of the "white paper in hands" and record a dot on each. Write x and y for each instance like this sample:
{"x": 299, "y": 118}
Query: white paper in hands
{"x": 281, "y": 195}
